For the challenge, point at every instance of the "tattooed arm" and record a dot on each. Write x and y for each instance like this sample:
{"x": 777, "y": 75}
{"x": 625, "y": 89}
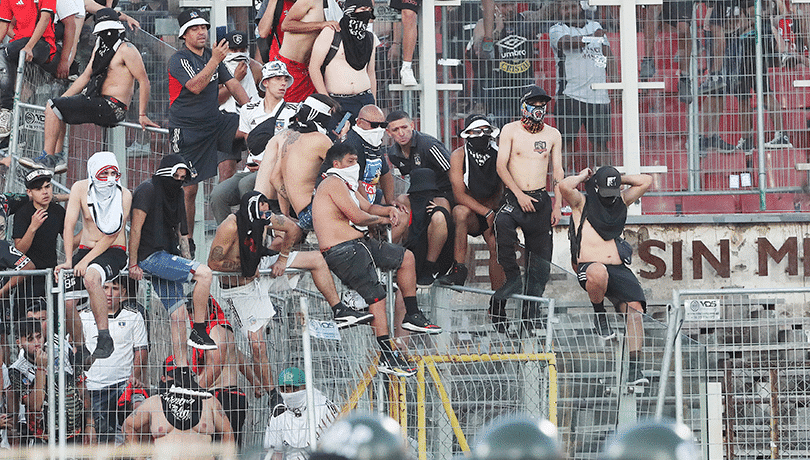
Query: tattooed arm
{"x": 222, "y": 257}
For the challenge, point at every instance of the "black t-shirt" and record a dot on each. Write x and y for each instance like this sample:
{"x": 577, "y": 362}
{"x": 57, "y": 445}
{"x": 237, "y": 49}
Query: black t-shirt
{"x": 152, "y": 239}
{"x": 43, "y": 248}
{"x": 10, "y": 203}
{"x": 186, "y": 109}
{"x": 426, "y": 152}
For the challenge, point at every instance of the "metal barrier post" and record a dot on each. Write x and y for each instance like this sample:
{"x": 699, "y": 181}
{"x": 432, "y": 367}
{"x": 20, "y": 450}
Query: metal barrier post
{"x": 675, "y": 320}
{"x": 391, "y": 300}
{"x": 313, "y": 437}
{"x": 62, "y": 366}
{"x": 15, "y": 117}
{"x": 50, "y": 341}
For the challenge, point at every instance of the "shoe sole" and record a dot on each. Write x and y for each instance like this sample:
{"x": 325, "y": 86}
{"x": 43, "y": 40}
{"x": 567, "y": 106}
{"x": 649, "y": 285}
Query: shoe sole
{"x": 607, "y": 337}
{"x": 639, "y": 381}
{"x": 31, "y": 164}
{"x": 200, "y": 346}
{"x": 349, "y": 321}
{"x": 414, "y": 328}
{"x": 395, "y": 372}
{"x": 94, "y": 357}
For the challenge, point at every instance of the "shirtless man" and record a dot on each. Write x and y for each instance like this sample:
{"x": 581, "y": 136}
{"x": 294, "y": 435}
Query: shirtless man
{"x": 526, "y": 149}
{"x": 338, "y": 208}
{"x": 597, "y": 220}
{"x": 301, "y": 26}
{"x": 103, "y": 205}
{"x": 100, "y": 95}
{"x": 181, "y": 420}
{"x": 350, "y": 79}
{"x": 292, "y": 159}
{"x": 237, "y": 247}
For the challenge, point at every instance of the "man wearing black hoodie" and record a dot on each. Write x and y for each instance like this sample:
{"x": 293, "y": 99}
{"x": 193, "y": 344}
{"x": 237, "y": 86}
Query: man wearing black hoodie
{"x": 158, "y": 247}
{"x": 599, "y": 254}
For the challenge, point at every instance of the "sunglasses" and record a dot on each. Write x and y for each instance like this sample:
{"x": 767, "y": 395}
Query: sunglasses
{"x": 476, "y": 132}
{"x": 375, "y": 124}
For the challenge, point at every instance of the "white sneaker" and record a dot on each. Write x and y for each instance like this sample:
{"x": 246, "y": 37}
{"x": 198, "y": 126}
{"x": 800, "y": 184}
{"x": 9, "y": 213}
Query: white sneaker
{"x": 406, "y": 74}
{"x": 5, "y": 122}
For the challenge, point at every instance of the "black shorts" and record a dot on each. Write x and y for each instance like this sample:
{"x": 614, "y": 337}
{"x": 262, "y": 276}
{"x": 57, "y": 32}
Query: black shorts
{"x": 572, "y": 114}
{"x": 400, "y": 5}
{"x": 109, "y": 264}
{"x": 623, "y": 286}
{"x": 235, "y": 405}
{"x": 201, "y": 146}
{"x": 355, "y": 262}
{"x": 676, "y": 11}
{"x": 237, "y": 145}
{"x": 101, "y": 110}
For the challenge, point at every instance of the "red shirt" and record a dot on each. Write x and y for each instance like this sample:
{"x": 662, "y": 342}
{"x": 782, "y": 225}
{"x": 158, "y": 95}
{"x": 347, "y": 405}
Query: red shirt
{"x": 27, "y": 12}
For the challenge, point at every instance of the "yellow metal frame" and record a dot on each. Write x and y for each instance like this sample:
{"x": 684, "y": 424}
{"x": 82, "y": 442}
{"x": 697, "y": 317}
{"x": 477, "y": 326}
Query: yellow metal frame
{"x": 398, "y": 410}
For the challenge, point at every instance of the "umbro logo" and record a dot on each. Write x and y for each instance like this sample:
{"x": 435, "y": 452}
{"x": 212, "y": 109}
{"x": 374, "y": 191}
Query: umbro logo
{"x": 511, "y": 42}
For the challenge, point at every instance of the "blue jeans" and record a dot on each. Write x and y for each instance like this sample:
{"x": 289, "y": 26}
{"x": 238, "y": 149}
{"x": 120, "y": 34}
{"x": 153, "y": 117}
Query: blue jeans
{"x": 105, "y": 412}
{"x": 168, "y": 275}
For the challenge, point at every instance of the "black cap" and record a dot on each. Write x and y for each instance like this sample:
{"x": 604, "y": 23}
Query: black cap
{"x": 37, "y": 177}
{"x": 236, "y": 40}
{"x": 106, "y": 19}
{"x": 422, "y": 180}
{"x": 608, "y": 181}
{"x": 190, "y": 18}
{"x": 535, "y": 92}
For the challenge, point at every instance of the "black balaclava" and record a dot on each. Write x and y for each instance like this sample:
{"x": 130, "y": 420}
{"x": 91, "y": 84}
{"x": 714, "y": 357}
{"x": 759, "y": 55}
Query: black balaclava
{"x": 607, "y": 215}
{"x": 357, "y": 43}
{"x": 250, "y": 223}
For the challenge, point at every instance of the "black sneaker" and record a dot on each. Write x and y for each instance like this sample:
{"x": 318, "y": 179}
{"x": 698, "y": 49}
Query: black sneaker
{"x": 417, "y": 322}
{"x": 201, "y": 341}
{"x": 456, "y": 277}
{"x": 497, "y": 314}
{"x": 513, "y": 285}
{"x": 104, "y": 347}
{"x": 82, "y": 358}
{"x": 391, "y": 362}
{"x": 532, "y": 317}
{"x": 635, "y": 376}
{"x": 346, "y": 317}
{"x": 425, "y": 279}
{"x": 602, "y": 326}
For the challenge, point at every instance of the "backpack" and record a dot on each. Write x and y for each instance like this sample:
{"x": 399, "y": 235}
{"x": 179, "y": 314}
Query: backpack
{"x": 333, "y": 49}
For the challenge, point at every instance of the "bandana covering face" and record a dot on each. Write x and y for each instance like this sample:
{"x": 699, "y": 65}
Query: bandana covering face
{"x": 313, "y": 115}
{"x": 607, "y": 216}
{"x": 532, "y": 117}
{"x": 357, "y": 44}
{"x": 250, "y": 224}
{"x": 373, "y": 136}
{"x": 104, "y": 196}
{"x": 169, "y": 192}
{"x": 296, "y": 400}
{"x": 107, "y": 44}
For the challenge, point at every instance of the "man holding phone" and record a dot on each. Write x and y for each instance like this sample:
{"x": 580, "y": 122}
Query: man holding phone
{"x": 258, "y": 123}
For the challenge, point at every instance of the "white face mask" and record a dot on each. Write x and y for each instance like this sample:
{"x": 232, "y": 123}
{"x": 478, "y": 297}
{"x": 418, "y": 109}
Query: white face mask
{"x": 295, "y": 400}
{"x": 350, "y": 175}
{"x": 373, "y": 136}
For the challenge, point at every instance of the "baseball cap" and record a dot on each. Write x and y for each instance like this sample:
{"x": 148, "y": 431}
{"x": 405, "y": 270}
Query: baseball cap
{"x": 291, "y": 376}
{"x": 190, "y": 18}
{"x": 37, "y": 177}
{"x": 107, "y": 19}
{"x": 477, "y": 121}
{"x": 535, "y": 92}
{"x": 608, "y": 181}
{"x": 236, "y": 40}
{"x": 276, "y": 69}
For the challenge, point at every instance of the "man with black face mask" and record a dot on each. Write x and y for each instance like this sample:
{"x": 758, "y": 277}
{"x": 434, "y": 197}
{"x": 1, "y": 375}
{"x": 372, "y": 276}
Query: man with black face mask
{"x": 478, "y": 191}
{"x": 600, "y": 256}
{"x": 527, "y": 150}
{"x": 100, "y": 95}
{"x": 342, "y": 63}
{"x": 158, "y": 247}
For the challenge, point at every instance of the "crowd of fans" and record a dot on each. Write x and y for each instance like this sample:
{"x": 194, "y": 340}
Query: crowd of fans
{"x": 304, "y": 113}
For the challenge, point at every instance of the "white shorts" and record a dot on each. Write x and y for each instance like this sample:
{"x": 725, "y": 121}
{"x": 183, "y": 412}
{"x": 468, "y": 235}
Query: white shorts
{"x": 65, "y": 8}
{"x": 250, "y": 304}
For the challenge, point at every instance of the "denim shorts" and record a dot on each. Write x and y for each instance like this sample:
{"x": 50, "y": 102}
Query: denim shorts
{"x": 168, "y": 275}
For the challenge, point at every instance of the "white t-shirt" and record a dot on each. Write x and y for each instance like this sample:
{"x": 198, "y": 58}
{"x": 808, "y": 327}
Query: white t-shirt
{"x": 289, "y": 432}
{"x": 248, "y": 83}
{"x": 128, "y": 332}
{"x": 582, "y": 67}
{"x": 253, "y": 114}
